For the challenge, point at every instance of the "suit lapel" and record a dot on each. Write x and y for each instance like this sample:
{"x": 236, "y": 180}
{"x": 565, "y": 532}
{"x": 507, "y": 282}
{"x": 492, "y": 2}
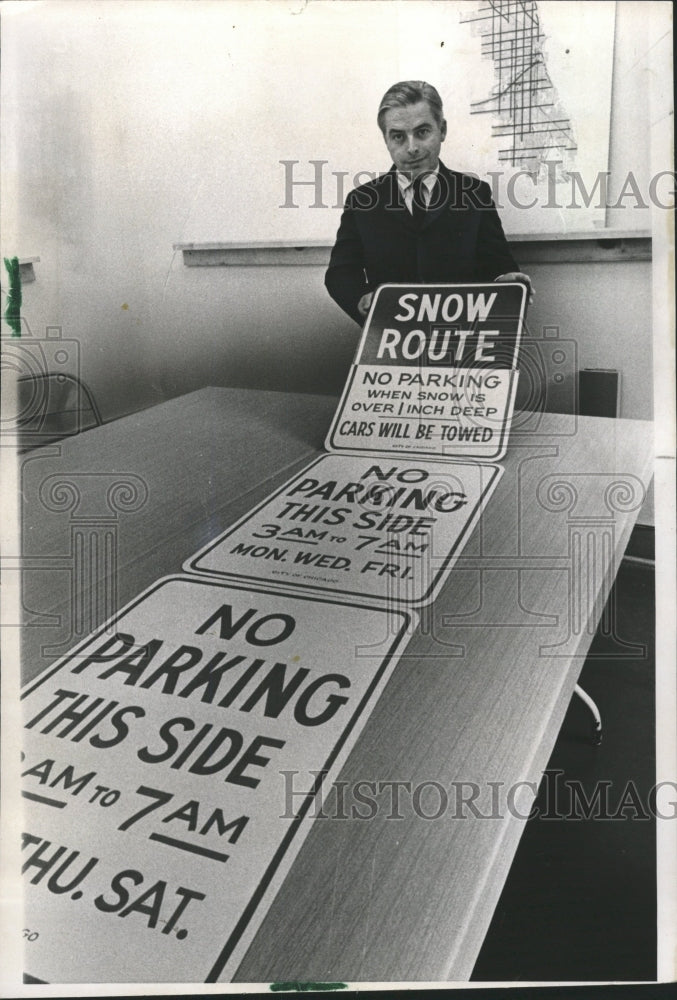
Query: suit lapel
{"x": 443, "y": 196}
{"x": 393, "y": 202}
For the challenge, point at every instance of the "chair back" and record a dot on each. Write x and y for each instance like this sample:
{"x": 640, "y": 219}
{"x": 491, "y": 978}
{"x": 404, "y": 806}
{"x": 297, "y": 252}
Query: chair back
{"x": 52, "y": 406}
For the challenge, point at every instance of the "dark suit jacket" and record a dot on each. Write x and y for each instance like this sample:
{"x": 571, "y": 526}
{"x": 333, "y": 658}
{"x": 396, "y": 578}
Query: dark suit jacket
{"x": 378, "y": 241}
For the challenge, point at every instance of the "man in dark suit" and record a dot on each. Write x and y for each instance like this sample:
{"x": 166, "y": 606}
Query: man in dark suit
{"x": 420, "y": 222}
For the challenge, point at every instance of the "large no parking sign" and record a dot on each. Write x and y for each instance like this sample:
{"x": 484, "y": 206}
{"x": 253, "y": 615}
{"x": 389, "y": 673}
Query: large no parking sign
{"x": 171, "y": 766}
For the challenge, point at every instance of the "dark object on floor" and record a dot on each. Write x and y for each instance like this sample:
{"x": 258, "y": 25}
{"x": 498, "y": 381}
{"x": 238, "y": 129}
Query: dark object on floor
{"x": 580, "y": 899}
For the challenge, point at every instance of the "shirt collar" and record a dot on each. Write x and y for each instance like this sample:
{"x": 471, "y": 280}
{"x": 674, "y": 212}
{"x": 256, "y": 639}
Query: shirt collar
{"x": 405, "y": 182}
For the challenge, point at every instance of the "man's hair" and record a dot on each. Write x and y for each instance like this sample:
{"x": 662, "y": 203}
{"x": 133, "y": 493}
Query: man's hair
{"x": 410, "y": 92}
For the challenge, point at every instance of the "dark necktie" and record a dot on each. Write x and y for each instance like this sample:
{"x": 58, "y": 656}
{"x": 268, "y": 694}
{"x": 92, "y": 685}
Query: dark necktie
{"x": 419, "y": 207}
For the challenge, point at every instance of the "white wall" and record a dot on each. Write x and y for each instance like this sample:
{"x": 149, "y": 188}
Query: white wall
{"x": 114, "y": 115}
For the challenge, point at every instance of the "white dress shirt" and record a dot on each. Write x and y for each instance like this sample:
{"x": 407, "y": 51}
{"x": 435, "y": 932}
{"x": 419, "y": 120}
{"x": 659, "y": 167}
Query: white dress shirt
{"x": 406, "y": 185}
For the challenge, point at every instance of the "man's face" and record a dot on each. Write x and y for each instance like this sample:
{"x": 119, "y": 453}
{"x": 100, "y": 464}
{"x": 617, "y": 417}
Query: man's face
{"x": 413, "y": 138}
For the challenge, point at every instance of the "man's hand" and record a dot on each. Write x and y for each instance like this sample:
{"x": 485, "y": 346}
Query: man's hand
{"x": 364, "y": 303}
{"x": 516, "y": 276}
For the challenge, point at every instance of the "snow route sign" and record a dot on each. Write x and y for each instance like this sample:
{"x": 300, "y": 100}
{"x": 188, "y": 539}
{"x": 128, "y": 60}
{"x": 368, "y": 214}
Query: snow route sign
{"x": 435, "y": 372}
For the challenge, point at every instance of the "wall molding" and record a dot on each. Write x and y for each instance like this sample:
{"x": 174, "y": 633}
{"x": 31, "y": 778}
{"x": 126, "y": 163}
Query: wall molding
{"x": 603, "y": 246}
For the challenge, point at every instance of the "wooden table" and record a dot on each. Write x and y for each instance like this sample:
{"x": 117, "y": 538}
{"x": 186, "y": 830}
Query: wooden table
{"x": 474, "y": 706}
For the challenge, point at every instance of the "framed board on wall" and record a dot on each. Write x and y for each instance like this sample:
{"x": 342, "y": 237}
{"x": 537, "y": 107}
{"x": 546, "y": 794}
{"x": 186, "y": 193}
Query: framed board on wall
{"x": 515, "y": 79}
